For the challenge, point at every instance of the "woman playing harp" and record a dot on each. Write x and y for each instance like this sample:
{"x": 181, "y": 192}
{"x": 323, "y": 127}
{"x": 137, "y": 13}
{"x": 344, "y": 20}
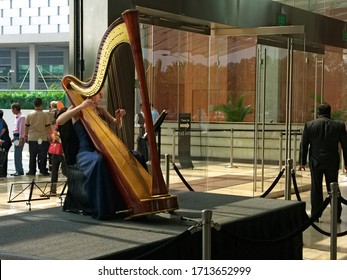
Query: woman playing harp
{"x": 103, "y": 200}
{"x": 142, "y": 193}
{"x": 97, "y": 193}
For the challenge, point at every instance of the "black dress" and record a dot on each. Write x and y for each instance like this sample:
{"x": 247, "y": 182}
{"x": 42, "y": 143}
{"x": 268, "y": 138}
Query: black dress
{"x": 90, "y": 187}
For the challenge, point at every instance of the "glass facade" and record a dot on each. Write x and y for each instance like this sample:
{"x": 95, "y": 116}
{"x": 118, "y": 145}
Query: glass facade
{"x": 15, "y": 74}
{"x": 200, "y": 72}
{"x": 267, "y": 85}
{"x": 50, "y": 67}
{"x": 5, "y": 66}
{"x": 22, "y": 67}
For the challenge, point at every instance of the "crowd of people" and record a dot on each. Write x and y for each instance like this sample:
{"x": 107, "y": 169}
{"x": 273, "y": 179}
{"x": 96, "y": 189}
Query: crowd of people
{"x": 39, "y": 131}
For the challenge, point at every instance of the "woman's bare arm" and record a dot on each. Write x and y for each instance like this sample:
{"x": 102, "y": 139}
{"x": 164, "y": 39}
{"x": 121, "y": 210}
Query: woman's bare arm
{"x": 73, "y": 112}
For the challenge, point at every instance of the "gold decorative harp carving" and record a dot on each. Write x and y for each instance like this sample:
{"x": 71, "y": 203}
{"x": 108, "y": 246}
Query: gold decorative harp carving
{"x": 142, "y": 193}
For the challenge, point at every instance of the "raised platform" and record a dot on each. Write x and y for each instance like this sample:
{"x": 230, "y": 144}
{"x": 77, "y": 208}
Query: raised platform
{"x": 251, "y": 228}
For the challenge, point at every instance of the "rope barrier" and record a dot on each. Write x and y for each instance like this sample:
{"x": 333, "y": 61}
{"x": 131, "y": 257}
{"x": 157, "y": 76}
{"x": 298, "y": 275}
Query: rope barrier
{"x": 295, "y": 185}
{"x": 310, "y": 221}
{"x": 182, "y": 178}
{"x": 342, "y": 200}
{"x": 273, "y": 184}
{"x": 315, "y": 215}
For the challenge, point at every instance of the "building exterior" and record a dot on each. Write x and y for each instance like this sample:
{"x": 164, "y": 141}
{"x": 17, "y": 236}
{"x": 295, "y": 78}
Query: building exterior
{"x": 34, "y": 48}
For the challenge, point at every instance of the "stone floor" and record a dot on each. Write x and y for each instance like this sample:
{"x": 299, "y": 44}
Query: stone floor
{"x": 214, "y": 177}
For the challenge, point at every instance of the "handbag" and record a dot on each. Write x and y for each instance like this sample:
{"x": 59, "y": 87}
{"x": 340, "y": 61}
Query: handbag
{"x": 55, "y": 147}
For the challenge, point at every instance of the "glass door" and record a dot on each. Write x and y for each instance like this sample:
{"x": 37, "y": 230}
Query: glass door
{"x": 280, "y": 85}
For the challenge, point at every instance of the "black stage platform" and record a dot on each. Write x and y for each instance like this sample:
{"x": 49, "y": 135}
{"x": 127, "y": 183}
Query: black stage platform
{"x": 251, "y": 228}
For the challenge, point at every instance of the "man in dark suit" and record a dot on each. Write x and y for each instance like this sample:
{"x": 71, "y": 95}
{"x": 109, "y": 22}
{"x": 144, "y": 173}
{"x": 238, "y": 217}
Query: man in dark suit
{"x": 321, "y": 138}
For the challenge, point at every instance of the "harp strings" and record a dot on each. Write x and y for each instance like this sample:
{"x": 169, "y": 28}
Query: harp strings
{"x": 116, "y": 100}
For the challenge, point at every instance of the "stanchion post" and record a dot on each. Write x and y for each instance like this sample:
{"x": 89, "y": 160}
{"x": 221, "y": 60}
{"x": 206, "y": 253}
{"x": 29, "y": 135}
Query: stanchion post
{"x": 333, "y": 220}
{"x": 231, "y": 148}
{"x": 167, "y": 168}
{"x": 280, "y": 151}
{"x": 206, "y": 234}
{"x": 173, "y": 145}
{"x": 294, "y": 149}
{"x": 288, "y": 188}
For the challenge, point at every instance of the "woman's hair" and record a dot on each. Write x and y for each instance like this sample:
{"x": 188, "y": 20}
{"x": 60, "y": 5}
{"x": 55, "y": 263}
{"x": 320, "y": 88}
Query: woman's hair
{"x": 1, "y": 114}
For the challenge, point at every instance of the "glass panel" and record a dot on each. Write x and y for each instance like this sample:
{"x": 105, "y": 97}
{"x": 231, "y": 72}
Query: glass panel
{"x": 196, "y": 74}
{"x": 22, "y": 67}
{"x": 232, "y": 88}
{"x": 281, "y": 84}
{"x": 5, "y": 67}
{"x": 335, "y": 82}
{"x": 50, "y": 67}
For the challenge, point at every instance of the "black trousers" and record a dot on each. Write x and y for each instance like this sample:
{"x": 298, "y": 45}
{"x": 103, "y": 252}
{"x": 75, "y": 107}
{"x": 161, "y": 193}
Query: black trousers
{"x": 331, "y": 176}
{"x": 3, "y": 163}
{"x": 40, "y": 152}
{"x": 57, "y": 161}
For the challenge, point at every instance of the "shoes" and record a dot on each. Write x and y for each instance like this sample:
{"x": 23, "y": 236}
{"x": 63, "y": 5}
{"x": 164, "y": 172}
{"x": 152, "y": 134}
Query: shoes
{"x": 30, "y": 174}
{"x": 17, "y": 174}
{"x": 45, "y": 174}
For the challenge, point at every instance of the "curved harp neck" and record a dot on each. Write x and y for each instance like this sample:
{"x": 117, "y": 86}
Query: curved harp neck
{"x": 115, "y": 35}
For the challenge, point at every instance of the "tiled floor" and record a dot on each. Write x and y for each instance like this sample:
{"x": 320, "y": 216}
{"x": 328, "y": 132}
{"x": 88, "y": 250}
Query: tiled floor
{"x": 316, "y": 245}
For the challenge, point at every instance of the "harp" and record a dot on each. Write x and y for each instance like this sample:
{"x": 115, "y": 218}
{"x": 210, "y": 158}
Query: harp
{"x": 142, "y": 193}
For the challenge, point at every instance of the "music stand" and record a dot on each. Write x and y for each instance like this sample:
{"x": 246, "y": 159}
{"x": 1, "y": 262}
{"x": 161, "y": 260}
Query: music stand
{"x": 28, "y": 201}
{"x": 157, "y": 128}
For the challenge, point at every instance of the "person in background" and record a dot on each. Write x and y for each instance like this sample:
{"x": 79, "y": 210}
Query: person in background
{"x": 5, "y": 145}
{"x": 320, "y": 139}
{"x": 154, "y": 112}
{"x": 18, "y": 139}
{"x": 37, "y": 132}
{"x": 53, "y": 111}
{"x": 141, "y": 143}
{"x": 57, "y": 156}
{"x": 140, "y": 121}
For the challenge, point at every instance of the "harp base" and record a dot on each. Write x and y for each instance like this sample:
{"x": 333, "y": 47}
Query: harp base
{"x": 153, "y": 205}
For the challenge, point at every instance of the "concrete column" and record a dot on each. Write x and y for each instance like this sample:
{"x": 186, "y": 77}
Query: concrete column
{"x": 32, "y": 67}
{"x": 13, "y": 67}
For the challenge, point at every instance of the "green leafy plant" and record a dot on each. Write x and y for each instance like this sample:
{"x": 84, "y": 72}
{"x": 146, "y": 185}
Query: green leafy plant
{"x": 234, "y": 112}
{"x": 26, "y": 98}
{"x": 339, "y": 115}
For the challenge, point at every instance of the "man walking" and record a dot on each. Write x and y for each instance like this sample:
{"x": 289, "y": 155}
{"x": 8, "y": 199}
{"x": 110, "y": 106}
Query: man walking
{"x": 37, "y": 132}
{"x": 321, "y": 138}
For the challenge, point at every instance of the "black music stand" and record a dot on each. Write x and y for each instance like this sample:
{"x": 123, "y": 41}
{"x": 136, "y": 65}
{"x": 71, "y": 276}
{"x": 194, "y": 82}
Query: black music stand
{"x": 31, "y": 185}
{"x": 157, "y": 128}
{"x": 62, "y": 193}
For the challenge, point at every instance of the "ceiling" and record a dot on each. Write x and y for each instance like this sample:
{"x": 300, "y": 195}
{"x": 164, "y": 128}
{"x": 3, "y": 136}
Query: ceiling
{"x": 330, "y": 8}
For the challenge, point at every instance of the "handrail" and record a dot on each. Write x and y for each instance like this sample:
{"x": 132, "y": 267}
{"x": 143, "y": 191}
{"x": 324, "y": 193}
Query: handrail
{"x": 295, "y": 132}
